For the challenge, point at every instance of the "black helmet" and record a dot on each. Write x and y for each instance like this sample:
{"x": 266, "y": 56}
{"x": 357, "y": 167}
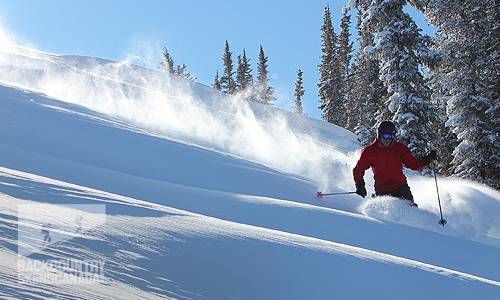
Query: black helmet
{"x": 387, "y": 127}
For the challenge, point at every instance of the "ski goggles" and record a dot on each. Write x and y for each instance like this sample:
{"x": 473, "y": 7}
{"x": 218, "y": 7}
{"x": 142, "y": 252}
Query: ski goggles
{"x": 387, "y": 136}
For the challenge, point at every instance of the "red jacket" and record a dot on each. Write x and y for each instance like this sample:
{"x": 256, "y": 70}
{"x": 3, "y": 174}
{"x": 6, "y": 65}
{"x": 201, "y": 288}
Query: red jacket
{"x": 387, "y": 164}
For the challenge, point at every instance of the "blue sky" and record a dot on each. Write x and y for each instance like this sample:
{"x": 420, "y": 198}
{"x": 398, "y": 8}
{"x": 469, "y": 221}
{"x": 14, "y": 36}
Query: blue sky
{"x": 193, "y": 31}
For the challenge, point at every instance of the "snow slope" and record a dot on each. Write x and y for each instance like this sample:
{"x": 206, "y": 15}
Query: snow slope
{"x": 210, "y": 197}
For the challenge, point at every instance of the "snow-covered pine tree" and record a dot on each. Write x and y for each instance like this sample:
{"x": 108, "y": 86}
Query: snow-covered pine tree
{"x": 367, "y": 92}
{"x": 330, "y": 82}
{"x": 446, "y": 140}
{"x": 299, "y": 93}
{"x": 265, "y": 92}
{"x": 468, "y": 72}
{"x": 227, "y": 82}
{"x": 216, "y": 84}
{"x": 402, "y": 50}
{"x": 492, "y": 45}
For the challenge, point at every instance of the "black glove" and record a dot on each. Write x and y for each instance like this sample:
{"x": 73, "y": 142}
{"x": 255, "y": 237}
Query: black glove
{"x": 429, "y": 157}
{"x": 360, "y": 188}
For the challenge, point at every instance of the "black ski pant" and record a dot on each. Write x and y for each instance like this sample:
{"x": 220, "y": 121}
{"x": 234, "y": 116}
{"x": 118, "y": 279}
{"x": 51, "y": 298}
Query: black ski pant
{"x": 402, "y": 192}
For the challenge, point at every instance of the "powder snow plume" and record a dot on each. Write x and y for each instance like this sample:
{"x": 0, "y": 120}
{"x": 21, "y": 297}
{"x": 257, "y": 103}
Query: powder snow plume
{"x": 179, "y": 109}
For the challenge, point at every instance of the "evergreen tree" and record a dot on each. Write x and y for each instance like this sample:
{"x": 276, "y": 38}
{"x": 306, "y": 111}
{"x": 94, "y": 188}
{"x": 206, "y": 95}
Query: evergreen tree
{"x": 330, "y": 82}
{"x": 299, "y": 93}
{"x": 367, "y": 92}
{"x": 468, "y": 72}
{"x": 181, "y": 71}
{"x": 265, "y": 92}
{"x": 402, "y": 50}
{"x": 240, "y": 77}
{"x": 491, "y": 39}
{"x": 244, "y": 78}
{"x": 216, "y": 84}
{"x": 227, "y": 80}
{"x": 168, "y": 65}
{"x": 344, "y": 51}
{"x": 446, "y": 140}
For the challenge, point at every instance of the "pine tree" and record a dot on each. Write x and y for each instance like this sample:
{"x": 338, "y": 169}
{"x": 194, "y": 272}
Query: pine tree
{"x": 344, "y": 51}
{"x": 227, "y": 81}
{"x": 299, "y": 93}
{"x": 330, "y": 82}
{"x": 446, "y": 140}
{"x": 468, "y": 72}
{"x": 491, "y": 39}
{"x": 216, "y": 84}
{"x": 265, "y": 92}
{"x": 168, "y": 65}
{"x": 182, "y": 72}
{"x": 244, "y": 79}
{"x": 402, "y": 50}
{"x": 367, "y": 92}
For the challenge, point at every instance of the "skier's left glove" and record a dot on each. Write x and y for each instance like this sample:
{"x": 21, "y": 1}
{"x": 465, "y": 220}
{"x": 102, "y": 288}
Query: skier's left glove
{"x": 427, "y": 159}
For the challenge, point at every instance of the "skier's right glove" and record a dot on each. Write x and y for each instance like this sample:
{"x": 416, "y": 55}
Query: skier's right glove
{"x": 427, "y": 159}
{"x": 360, "y": 188}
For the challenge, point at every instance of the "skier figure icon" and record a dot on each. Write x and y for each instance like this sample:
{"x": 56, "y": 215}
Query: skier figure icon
{"x": 78, "y": 222}
{"x": 386, "y": 157}
{"x": 46, "y": 232}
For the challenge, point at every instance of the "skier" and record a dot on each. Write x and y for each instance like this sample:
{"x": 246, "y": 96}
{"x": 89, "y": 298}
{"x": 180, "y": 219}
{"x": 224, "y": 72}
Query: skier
{"x": 386, "y": 158}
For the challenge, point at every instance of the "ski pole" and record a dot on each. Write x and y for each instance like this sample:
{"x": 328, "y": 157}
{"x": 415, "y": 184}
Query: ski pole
{"x": 320, "y": 194}
{"x": 441, "y": 222}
